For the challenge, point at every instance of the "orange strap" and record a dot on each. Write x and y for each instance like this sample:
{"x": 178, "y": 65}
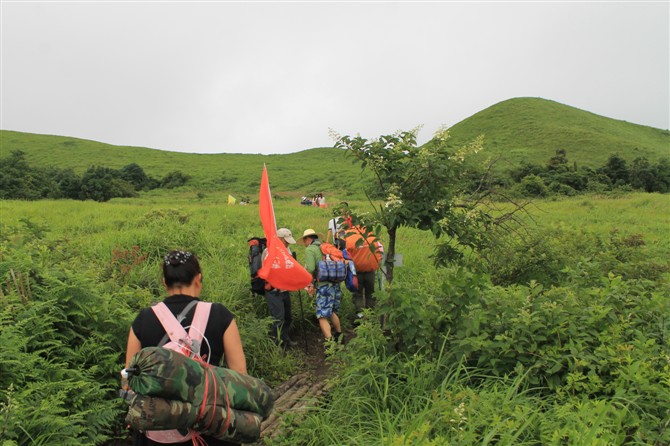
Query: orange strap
{"x": 197, "y": 438}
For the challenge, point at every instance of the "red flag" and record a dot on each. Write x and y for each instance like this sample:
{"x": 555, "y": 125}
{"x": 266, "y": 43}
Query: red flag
{"x": 279, "y": 268}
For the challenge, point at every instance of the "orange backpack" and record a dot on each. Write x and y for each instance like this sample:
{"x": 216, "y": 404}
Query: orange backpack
{"x": 364, "y": 258}
{"x": 328, "y": 249}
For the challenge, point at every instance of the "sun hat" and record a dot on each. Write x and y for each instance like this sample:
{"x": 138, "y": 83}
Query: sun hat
{"x": 286, "y": 235}
{"x": 309, "y": 232}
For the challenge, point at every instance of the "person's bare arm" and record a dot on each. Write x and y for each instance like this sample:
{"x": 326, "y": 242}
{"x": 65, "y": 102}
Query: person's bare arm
{"x": 134, "y": 346}
{"x": 232, "y": 349}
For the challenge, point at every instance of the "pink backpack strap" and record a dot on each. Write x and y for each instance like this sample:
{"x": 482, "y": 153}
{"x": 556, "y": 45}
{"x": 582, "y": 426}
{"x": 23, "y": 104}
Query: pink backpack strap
{"x": 169, "y": 322}
{"x": 199, "y": 323}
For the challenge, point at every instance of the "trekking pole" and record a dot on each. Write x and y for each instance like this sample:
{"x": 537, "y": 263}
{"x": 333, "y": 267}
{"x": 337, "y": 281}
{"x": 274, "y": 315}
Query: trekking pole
{"x": 302, "y": 316}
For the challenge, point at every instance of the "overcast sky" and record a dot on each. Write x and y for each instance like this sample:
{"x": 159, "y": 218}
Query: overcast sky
{"x": 273, "y": 77}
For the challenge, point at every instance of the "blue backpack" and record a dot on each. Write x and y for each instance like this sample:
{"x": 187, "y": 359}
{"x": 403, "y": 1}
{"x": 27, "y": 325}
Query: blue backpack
{"x": 350, "y": 278}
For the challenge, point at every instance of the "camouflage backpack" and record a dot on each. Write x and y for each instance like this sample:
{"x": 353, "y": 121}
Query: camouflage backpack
{"x": 187, "y": 344}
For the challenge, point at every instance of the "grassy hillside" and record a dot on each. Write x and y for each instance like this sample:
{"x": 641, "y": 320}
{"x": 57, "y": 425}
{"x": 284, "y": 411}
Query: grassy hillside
{"x": 532, "y": 129}
{"x": 521, "y": 129}
{"x": 309, "y": 171}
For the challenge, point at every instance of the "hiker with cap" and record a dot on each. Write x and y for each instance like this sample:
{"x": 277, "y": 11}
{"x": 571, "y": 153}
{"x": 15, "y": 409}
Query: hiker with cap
{"x": 328, "y": 294}
{"x": 279, "y": 301}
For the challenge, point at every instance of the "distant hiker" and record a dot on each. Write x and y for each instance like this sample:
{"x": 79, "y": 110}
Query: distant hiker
{"x": 336, "y": 229}
{"x": 182, "y": 279}
{"x": 328, "y": 294}
{"x": 367, "y": 262}
{"x": 279, "y": 301}
{"x": 322, "y": 201}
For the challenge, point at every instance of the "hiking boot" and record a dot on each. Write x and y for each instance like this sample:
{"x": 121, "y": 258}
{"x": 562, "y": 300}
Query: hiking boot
{"x": 338, "y": 338}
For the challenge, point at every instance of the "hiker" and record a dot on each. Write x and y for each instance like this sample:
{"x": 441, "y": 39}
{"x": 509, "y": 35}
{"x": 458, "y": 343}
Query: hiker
{"x": 367, "y": 263}
{"x": 328, "y": 294}
{"x": 182, "y": 279}
{"x": 337, "y": 228}
{"x": 279, "y": 301}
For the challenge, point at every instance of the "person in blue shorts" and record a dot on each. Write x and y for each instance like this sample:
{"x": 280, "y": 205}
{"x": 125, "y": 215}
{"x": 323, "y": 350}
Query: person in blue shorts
{"x": 328, "y": 294}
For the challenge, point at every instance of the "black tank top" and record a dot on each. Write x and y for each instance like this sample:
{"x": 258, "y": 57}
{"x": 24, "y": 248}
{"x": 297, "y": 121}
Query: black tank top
{"x": 149, "y": 330}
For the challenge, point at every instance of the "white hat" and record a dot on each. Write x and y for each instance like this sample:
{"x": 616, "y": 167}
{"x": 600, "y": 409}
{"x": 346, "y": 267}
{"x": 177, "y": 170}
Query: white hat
{"x": 286, "y": 235}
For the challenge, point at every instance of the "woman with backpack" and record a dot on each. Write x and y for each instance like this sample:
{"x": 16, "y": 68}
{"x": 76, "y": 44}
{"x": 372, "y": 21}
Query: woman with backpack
{"x": 182, "y": 279}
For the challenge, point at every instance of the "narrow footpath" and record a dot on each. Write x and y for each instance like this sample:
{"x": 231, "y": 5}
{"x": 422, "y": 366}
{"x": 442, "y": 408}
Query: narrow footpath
{"x": 300, "y": 392}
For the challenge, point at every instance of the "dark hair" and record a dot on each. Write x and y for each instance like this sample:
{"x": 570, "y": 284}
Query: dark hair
{"x": 180, "y": 267}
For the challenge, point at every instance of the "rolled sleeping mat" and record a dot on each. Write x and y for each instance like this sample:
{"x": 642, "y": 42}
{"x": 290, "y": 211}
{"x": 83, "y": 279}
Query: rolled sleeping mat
{"x": 147, "y": 413}
{"x": 173, "y": 376}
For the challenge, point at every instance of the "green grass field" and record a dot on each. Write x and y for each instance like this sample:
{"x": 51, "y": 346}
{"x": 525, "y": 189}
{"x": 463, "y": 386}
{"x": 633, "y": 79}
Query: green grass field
{"x": 98, "y": 227}
{"x": 599, "y": 339}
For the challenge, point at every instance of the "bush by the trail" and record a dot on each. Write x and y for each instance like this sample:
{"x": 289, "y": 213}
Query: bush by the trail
{"x": 580, "y": 360}
{"x": 521, "y": 365}
{"x": 60, "y": 346}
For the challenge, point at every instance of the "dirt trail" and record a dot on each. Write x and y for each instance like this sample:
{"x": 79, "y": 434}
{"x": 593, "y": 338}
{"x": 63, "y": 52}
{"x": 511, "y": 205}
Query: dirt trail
{"x": 295, "y": 396}
{"x": 300, "y": 392}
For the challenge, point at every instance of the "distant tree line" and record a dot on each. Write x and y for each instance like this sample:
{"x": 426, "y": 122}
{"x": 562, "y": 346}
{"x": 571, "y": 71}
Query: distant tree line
{"x": 20, "y": 181}
{"x": 559, "y": 177}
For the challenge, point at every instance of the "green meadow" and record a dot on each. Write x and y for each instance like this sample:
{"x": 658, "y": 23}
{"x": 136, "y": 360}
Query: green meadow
{"x": 446, "y": 370}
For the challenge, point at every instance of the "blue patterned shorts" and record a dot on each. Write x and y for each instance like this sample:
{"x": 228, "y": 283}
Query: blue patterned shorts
{"x": 328, "y": 299}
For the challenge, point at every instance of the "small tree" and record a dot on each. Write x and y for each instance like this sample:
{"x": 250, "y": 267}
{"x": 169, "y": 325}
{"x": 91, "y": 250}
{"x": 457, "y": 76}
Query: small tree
{"x": 616, "y": 169}
{"x": 174, "y": 179}
{"x": 424, "y": 188}
{"x": 559, "y": 161}
{"x": 134, "y": 174}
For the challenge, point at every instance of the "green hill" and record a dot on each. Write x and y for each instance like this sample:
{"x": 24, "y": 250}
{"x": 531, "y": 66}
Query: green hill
{"x": 532, "y": 129}
{"x": 520, "y": 129}
{"x": 309, "y": 171}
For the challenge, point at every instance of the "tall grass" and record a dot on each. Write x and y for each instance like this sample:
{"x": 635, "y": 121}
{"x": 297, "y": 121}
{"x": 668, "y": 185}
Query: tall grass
{"x": 93, "y": 265}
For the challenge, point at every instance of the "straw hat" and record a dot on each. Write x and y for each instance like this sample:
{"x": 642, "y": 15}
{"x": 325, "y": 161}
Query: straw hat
{"x": 307, "y": 233}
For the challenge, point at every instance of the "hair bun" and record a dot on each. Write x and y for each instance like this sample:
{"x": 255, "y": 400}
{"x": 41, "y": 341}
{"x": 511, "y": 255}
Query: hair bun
{"x": 176, "y": 258}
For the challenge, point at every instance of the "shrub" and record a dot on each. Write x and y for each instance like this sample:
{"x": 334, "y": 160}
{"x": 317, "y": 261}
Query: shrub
{"x": 532, "y": 186}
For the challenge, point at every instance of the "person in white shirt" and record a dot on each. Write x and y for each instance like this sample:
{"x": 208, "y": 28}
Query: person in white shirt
{"x": 336, "y": 232}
